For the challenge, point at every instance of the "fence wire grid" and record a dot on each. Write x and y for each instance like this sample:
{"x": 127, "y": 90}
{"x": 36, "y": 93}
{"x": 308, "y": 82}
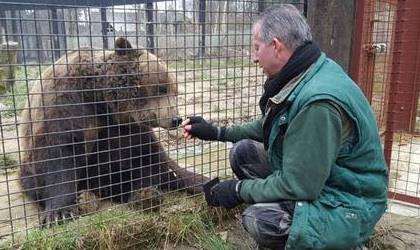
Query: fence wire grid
{"x": 388, "y": 74}
{"x": 92, "y": 94}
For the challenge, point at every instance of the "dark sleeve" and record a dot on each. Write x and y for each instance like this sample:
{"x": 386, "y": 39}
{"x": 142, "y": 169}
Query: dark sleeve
{"x": 310, "y": 148}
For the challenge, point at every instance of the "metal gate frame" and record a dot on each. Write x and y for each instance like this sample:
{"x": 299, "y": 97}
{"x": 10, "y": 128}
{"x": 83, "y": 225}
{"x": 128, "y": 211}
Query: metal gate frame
{"x": 403, "y": 77}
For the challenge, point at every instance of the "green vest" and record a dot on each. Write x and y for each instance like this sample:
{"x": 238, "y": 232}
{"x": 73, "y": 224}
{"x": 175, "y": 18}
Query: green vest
{"x": 355, "y": 194}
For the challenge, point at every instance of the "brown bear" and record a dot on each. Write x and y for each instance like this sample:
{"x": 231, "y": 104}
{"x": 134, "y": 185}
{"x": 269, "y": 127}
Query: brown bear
{"x": 87, "y": 125}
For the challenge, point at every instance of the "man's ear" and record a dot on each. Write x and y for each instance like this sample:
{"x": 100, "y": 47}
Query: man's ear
{"x": 278, "y": 46}
{"x": 123, "y": 47}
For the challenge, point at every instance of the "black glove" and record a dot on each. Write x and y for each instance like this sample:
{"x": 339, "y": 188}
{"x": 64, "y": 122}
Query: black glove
{"x": 226, "y": 194}
{"x": 204, "y": 130}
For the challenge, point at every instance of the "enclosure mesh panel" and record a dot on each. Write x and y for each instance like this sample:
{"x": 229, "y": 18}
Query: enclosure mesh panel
{"x": 389, "y": 76}
{"x": 87, "y": 124}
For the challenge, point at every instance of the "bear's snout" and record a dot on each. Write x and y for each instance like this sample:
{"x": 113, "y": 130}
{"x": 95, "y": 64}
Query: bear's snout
{"x": 176, "y": 122}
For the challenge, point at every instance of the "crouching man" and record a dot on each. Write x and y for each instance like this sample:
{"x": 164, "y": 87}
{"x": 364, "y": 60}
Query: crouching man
{"x": 312, "y": 167}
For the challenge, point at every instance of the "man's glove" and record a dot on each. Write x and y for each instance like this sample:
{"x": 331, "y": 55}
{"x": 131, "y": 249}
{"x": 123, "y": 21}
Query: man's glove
{"x": 226, "y": 194}
{"x": 204, "y": 130}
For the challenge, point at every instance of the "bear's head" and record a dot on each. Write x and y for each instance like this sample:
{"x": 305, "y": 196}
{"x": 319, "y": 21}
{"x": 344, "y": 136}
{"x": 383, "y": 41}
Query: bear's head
{"x": 139, "y": 86}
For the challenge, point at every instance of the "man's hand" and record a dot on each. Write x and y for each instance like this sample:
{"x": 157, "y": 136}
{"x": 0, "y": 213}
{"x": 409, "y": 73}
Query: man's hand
{"x": 226, "y": 194}
{"x": 196, "y": 126}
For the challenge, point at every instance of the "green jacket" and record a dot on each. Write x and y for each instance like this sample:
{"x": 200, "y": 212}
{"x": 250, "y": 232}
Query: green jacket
{"x": 340, "y": 186}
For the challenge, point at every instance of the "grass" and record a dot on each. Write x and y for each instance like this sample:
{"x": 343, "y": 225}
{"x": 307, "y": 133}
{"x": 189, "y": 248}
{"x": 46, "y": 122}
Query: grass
{"x": 14, "y": 101}
{"x": 189, "y": 223}
{"x": 7, "y": 162}
{"x": 15, "y": 98}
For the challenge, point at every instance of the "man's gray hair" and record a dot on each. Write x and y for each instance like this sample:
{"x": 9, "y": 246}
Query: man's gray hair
{"x": 285, "y": 23}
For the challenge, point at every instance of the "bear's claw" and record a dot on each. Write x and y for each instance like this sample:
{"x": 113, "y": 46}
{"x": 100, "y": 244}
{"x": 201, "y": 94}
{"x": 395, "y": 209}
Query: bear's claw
{"x": 56, "y": 217}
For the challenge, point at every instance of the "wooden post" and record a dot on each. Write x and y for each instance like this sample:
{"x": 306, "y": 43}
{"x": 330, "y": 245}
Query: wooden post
{"x": 305, "y": 8}
{"x": 62, "y": 32}
{"x": 202, "y": 22}
{"x": 332, "y": 25}
{"x": 14, "y": 37}
{"x": 104, "y": 25}
{"x": 261, "y": 6}
{"x": 150, "y": 36}
{"x": 56, "y": 40}
{"x": 2, "y": 26}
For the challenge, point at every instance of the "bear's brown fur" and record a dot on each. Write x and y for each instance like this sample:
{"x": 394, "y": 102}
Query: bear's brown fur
{"x": 88, "y": 123}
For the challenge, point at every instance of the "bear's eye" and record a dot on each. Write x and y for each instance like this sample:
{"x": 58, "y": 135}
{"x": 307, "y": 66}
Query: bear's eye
{"x": 163, "y": 89}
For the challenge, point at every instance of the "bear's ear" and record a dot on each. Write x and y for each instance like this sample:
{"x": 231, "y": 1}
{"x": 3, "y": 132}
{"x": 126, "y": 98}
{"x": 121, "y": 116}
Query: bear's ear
{"x": 123, "y": 47}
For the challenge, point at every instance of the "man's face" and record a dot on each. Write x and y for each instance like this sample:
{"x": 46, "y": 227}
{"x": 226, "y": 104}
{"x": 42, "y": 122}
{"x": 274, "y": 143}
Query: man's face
{"x": 270, "y": 57}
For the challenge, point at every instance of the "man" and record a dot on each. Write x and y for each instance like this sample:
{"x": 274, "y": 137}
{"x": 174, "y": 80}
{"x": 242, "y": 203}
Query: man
{"x": 312, "y": 167}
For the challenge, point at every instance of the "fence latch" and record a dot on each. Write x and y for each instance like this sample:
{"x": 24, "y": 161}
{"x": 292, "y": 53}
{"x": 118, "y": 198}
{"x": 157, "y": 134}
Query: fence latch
{"x": 378, "y": 47}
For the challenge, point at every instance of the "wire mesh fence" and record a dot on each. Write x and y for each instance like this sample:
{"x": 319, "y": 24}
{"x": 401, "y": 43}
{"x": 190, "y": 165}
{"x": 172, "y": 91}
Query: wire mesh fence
{"x": 388, "y": 74}
{"x": 402, "y": 141}
{"x": 92, "y": 93}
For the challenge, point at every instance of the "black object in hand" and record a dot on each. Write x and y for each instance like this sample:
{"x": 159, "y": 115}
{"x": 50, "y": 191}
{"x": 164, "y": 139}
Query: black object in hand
{"x": 204, "y": 130}
{"x": 225, "y": 194}
{"x": 207, "y": 189}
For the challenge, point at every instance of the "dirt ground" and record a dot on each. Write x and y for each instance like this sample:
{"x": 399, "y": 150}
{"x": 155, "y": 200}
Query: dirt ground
{"x": 398, "y": 232}
{"x": 17, "y": 214}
